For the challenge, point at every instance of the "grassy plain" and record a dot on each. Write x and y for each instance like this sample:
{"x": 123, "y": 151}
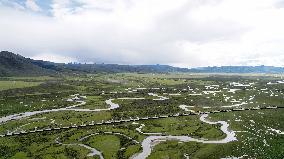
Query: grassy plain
{"x": 259, "y": 132}
{"x": 4, "y": 85}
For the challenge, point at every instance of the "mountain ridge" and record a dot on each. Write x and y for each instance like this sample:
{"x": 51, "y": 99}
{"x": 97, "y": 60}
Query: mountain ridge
{"x": 16, "y": 65}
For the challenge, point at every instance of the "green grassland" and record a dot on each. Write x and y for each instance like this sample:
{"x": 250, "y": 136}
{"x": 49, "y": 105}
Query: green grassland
{"x": 255, "y": 140}
{"x": 188, "y": 125}
{"x": 33, "y": 102}
{"x": 254, "y": 128}
{"x": 4, "y": 85}
{"x": 109, "y": 145}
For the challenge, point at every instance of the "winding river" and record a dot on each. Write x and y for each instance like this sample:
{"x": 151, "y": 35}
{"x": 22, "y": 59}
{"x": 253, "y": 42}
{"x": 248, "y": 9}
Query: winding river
{"x": 70, "y": 108}
{"x": 149, "y": 142}
{"x": 94, "y": 151}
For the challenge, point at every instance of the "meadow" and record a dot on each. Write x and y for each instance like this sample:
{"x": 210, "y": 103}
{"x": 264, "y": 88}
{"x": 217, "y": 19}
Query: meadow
{"x": 110, "y": 115}
{"x": 5, "y": 85}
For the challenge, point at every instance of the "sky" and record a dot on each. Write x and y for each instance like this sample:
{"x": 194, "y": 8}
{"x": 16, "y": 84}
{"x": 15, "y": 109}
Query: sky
{"x": 183, "y": 33}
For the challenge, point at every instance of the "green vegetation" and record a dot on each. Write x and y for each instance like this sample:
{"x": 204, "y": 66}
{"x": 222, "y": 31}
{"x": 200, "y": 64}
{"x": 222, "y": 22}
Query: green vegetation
{"x": 188, "y": 125}
{"x": 107, "y": 144}
{"x": 259, "y": 132}
{"x": 38, "y": 146}
{"x": 255, "y": 138}
{"x": 33, "y": 102}
{"x": 4, "y": 85}
{"x": 95, "y": 102}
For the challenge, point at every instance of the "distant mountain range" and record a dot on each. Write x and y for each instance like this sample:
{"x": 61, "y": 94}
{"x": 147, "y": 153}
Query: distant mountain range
{"x": 16, "y": 65}
{"x": 238, "y": 69}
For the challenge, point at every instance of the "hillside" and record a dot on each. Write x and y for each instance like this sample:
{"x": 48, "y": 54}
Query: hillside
{"x": 16, "y": 65}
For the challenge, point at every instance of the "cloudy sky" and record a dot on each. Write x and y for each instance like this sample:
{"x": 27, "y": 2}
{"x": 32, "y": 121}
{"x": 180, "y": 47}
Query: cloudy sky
{"x": 187, "y": 33}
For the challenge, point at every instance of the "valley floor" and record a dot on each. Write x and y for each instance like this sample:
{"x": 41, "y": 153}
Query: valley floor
{"x": 142, "y": 116}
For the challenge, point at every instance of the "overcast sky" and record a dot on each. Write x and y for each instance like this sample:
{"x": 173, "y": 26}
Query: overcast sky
{"x": 187, "y": 33}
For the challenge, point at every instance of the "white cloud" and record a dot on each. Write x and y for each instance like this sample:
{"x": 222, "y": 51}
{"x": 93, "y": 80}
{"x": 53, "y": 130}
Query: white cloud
{"x": 181, "y": 32}
{"x": 54, "y": 58}
{"x": 31, "y": 4}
